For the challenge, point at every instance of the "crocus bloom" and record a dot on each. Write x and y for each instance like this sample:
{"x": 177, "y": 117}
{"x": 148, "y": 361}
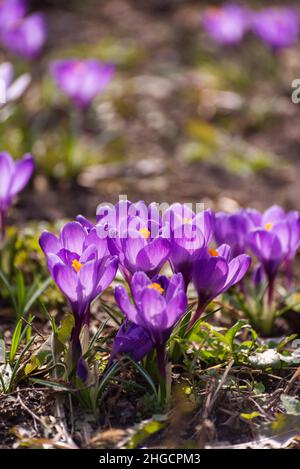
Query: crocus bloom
{"x": 214, "y": 272}
{"x": 134, "y": 236}
{"x": 26, "y": 37}
{"x": 277, "y": 27}
{"x": 82, "y": 80}
{"x": 13, "y": 90}
{"x": 226, "y": 25}
{"x": 154, "y": 308}
{"x": 131, "y": 340}
{"x": 188, "y": 233}
{"x": 233, "y": 228}
{"x": 82, "y": 268}
{"x": 13, "y": 178}
{"x": 275, "y": 240}
{"x": 11, "y": 11}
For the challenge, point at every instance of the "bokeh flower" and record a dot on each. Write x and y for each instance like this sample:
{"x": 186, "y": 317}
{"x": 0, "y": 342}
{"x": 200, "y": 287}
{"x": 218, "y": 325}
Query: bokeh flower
{"x": 276, "y": 26}
{"x": 82, "y": 80}
{"x": 14, "y": 176}
{"x": 226, "y": 25}
{"x": 13, "y": 89}
{"x": 26, "y": 37}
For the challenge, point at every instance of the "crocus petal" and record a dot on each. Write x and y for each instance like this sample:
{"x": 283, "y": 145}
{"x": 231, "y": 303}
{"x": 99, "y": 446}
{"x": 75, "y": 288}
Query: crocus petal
{"x": 107, "y": 272}
{"x": 17, "y": 88}
{"x": 49, "y": 243}
{"x": 238, "y": 267}
{"x": 153, "y": 314}
{"x": 138, "y": 283}
{"x": 152, "y": 257}
{"x": 7, "y": 168}
{"x": 73, "y": 236}
{"x": 66, "y": 279}
{"x": 23, "y": 172}
{"x": 125, "y": 305}
{"x": 6, "y": 73}
{"x": 132, "y": 245}
{"x": 87, "y": 277}
{"x": 176, "y": 308}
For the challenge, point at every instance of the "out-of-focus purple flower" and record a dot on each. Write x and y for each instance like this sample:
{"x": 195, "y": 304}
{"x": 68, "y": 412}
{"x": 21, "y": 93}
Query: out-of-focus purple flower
{"x": 226, "y": 25}
{"x": 82, "y": 80}
{"x": 188, "y": 233}
{"x": 233, "y": 228}
{"x": 214, "y": 272}
{"x": 82, "y": 268}
{"x": 131, "y": 340}
{"x": 155, "y": 308}
{"x": 11, "y": 11}
{"x": 14, "y": 176}
{"x": 277, "y": 26}
{"x": 13, "y": 89}
{"x": 26, "y": 37}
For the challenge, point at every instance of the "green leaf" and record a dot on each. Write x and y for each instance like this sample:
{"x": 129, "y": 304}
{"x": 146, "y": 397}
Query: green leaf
{"x": 231, "y": 334}
{"x": 38, "y": 292}
{"x": 15, "y": 341}
{"x": 65, "y": 329}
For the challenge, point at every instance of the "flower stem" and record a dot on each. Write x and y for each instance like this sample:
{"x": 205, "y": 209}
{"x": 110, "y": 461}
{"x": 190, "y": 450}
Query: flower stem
{"x": 196, "y": 315}
{"x": 160, "y": 352}
{"x": 3, "y": 225}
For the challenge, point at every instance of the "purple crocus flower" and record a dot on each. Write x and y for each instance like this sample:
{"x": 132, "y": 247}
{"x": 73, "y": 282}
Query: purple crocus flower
{"x": 13, "y": 89}
{"x": 214, "y": 272}
{"x": 11, "y": 11}
{"x": 226, "y": 25}
{"x": 233, "y": 228}
{"x": 14, "y": 176}
{"x": 277, "y": 26}
{"x": 154, "y": 308}
{"x": 188, "y": 233}
{"x": 131, "y": 340}
{"x": 82, "y": 268}
{"x": 274, "y": 241}
{"x": 82, "y": 80}
{"x": 26, "y": 37}
{"x": 134, "y": 236}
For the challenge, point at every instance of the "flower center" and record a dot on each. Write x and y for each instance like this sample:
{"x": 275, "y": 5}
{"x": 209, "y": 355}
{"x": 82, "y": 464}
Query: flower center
{"x": 76, "y": 265}
{"x": 188, "y": 221}
{"x": 213, "y": 252}
{"x": 268, "y": 226}
{"x": 157, "y": 287}
{"x": 145, "y": 232}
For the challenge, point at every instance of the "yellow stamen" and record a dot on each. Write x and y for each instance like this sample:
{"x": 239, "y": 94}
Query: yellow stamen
{"x": 145, "y": 232}
{"x": 213, "y": 252}
{"x": 157, "y": 287}
{"x": 188, "y": 221}
{"x": 76, "y": 265}
{"x": 269, "y": 226}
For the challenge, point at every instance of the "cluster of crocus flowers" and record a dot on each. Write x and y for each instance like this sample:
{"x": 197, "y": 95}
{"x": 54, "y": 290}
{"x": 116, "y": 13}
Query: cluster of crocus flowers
{"x": 277, "y": 27}
{"x": 21, "y": 33}
{"x": 82, "y": 80}
{"x": 207, "y": 251}
{"x": 14, "y": 176}
{"x": 273, "y": 237}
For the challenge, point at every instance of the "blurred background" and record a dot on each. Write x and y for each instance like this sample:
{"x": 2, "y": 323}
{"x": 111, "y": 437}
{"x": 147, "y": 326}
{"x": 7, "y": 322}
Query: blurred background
{"x": 184, "y": 117}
